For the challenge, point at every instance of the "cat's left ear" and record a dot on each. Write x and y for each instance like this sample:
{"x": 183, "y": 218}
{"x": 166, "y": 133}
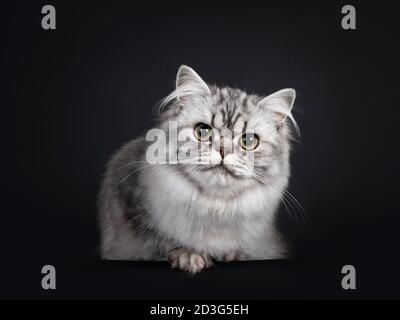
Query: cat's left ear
{"x": 281, "y": 104}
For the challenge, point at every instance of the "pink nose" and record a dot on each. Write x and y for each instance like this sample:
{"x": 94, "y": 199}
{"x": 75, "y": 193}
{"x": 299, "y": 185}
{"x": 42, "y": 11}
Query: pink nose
{"x": 221, "y": 149}
{"x": 225, "y": 147}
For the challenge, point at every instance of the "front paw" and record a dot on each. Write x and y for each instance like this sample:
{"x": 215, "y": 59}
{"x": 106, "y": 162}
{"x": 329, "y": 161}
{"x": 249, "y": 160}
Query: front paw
{"x": 231, "y": 256}
{"x": 188, "y": 260}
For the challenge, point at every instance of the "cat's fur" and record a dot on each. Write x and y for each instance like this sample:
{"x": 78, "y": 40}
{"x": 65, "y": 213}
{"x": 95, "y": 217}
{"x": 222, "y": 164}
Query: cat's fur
{"x": 192, "y": 214}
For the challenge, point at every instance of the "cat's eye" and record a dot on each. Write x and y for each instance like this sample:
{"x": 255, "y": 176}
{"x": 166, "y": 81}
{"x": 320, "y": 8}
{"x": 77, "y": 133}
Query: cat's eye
{"x": 249, "y": 141}
{"x": 202, "y": 132}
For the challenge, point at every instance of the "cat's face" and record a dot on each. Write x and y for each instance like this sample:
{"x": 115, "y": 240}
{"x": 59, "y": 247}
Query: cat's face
{"x": 227, "y": 139}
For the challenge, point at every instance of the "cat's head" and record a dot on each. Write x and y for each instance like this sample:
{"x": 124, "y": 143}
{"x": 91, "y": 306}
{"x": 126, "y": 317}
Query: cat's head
{"x": 227, "y": 139}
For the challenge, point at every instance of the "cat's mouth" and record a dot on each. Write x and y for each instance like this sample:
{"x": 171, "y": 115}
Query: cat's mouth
{"x": 219, "y": 168}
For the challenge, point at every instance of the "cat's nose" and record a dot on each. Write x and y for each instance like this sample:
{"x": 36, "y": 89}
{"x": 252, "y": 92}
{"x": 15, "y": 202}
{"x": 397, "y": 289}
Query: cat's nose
{"x": 222, "y": 150}
{"x": 225, "y": 147}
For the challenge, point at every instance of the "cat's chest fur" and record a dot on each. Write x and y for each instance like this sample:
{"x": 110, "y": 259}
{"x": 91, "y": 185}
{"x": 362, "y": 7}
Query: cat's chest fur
{"x": 212, "y": 224}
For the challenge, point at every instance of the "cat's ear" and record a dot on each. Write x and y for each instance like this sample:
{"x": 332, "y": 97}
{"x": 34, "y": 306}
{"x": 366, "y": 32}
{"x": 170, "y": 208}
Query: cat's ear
{"x": 189, "y": 82}
{"x": 190, "y": 88}
{"x": 281, "y": 104}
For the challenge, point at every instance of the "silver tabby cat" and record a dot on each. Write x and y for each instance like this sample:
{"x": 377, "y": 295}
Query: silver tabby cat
{"x": 221, "y": 208}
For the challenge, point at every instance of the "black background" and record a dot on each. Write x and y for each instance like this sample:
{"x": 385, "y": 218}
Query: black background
{"x": 73, "y": 95}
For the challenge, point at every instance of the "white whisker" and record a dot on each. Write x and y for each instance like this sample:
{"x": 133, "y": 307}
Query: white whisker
{"x": 297, "y": 208}
{"x": 132, "y": 172}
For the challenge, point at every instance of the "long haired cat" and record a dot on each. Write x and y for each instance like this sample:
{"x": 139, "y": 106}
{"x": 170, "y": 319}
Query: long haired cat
{"x": 217, "y": 199}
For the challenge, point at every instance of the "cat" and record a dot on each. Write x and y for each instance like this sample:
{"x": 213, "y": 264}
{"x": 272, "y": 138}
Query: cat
{"x": 221, "y": 208}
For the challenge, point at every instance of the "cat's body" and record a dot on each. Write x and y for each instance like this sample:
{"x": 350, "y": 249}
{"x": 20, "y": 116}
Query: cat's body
{"x": 192, "y": 213}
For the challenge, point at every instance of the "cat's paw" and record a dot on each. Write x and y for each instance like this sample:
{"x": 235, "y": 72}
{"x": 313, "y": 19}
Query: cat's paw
{"x": 231, "y": 256}
{"x": 189, "y": 261}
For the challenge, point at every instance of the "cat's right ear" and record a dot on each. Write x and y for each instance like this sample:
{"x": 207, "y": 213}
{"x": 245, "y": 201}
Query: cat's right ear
{"x": 190, "y": 88}
{"x": 188, "y": 82}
